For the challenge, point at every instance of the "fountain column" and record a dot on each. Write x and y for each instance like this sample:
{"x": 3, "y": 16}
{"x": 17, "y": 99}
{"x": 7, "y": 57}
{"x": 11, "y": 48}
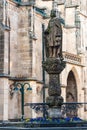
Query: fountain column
{"x": 54, "y": 64}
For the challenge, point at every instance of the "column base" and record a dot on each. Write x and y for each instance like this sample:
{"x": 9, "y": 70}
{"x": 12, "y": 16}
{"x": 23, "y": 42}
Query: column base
{"x": 54, "y": 113}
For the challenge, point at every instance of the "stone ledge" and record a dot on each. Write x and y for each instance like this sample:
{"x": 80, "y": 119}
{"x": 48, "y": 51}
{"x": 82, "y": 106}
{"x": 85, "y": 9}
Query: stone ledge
{"x": 25, "y": 79}
{"x": 69, "y": 26}
{"x": 71, "y": 5}
{"x": 23, "y": 3}
{"x": 3, "y": 75}
{"x": 60, "y": 2}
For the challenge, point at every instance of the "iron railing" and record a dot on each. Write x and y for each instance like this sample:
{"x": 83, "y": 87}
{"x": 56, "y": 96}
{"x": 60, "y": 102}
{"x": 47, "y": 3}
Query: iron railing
{"x": 69, "y": 109}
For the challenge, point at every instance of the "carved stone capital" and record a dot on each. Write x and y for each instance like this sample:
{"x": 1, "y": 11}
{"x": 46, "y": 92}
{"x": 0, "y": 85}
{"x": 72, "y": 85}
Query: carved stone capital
{"x": 54, "y": 65}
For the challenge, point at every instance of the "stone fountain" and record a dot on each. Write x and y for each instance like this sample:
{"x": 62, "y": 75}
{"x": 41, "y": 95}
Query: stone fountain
{"x": 54, "y": 64}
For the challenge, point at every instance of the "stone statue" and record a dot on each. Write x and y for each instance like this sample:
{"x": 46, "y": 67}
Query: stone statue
{"x": 54, "y": 65}
{"x": 53, "y": 38}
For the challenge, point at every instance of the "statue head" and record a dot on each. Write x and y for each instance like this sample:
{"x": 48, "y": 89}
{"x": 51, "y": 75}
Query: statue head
{"x": 53, "y": 13}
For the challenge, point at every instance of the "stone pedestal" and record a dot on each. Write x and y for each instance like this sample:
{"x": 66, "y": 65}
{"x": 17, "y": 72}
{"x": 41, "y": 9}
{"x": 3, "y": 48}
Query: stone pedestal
{"x": 54, "y": 113}
{"x": 54, "y": 66}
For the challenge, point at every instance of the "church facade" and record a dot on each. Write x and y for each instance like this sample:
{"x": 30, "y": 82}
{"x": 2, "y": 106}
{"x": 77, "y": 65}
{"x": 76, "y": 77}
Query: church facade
{"x": 22, "y": 50}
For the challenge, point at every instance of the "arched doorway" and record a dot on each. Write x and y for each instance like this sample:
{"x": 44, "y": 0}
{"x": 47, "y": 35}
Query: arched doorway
{"x": 71, "y": 90}
{"x": 71, "y": 93}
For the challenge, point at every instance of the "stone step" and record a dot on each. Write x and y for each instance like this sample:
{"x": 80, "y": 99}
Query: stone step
{"x": 44, "y": 128}
{"x": 59, "y": 124}
{"x": 35, "y": 126}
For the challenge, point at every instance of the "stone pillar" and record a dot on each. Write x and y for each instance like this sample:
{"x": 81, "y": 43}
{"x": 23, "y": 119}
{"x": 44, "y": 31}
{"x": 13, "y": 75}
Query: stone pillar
{"x": 63, "y": 91}
{"x": 36, "y": 95}
{"x": 34, "y": 100}
{"x": 54, "y": 63}
{"x": 4, "y": 99}
{"x": 54, "y": 66}
{"x": 3, "y": 63}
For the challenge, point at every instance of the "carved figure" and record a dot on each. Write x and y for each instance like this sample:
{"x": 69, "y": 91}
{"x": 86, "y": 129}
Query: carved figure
{"x": 53, "y": 38}
{"x": 53, "y": 65}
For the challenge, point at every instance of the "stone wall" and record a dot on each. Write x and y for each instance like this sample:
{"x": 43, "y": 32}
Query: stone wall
{"x": 16, "y": 59}
{"x": 23, "y": 58}
{"x": 24, "y": 42}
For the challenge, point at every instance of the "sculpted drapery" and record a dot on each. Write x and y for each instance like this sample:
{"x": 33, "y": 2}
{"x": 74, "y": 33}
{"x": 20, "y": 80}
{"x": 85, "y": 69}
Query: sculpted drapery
{"x": 53, "y": 39}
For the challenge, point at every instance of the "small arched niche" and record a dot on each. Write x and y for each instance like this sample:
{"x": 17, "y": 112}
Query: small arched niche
{"x": 71, "y": 90}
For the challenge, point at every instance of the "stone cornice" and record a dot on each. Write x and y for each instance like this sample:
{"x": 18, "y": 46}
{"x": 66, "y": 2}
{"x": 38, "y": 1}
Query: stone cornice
{"x": 20, "y": 79}
{"x": 16, "y": 79}
{"x": 72, "y": 58}
{"x": 41, "y": 11}
{"x": 69, "y": 27}
{"x": 12, "y": 2}
{"x": 60, "y": 2}
{"x": 71, "y": 6}
{"x": 3, "y": 75}
{"x": 31, "y": 3}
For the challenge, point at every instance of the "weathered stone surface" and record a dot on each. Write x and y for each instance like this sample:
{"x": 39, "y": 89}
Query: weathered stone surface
{"x": 54, "y": 85}
{"x": 53, "y": 37}
{"x": 54, "y": 65}
{"x": 55, "y": 101}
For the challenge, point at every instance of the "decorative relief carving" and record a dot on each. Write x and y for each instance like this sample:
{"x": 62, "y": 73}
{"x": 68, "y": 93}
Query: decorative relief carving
{"x": 72, "y": 58}
{"x": 54, "y": 65}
